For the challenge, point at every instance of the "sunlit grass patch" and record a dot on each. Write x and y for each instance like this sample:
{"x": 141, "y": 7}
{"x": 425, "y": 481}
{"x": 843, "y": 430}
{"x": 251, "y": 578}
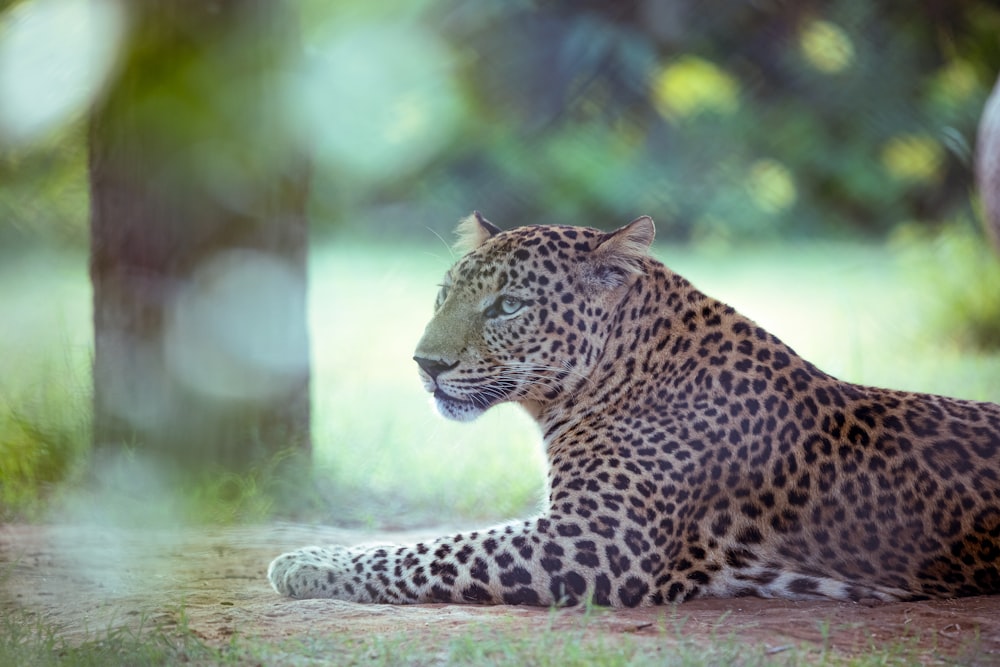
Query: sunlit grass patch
{"x": 43, "y": 435}
{"x": 374, "y": 430}
{"x": 382, "y": 456}
{"x": 853, "y": 309}
{"x": 44, "y": 377}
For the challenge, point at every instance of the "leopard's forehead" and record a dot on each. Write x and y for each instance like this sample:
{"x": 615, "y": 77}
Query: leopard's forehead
{"x": 538, "y": 248}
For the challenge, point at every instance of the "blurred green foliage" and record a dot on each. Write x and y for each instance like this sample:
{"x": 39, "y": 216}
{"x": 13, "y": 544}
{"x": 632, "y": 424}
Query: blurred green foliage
{"x": 44, "y": 191}
{"x": 751, "y": 121}
{"x": 764, "y": 119}
{"x": 959, "y": 278}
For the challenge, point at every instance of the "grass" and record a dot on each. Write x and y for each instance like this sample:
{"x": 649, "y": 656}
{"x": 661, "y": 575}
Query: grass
{"x": 29, "y": 641}
{"x": 44, "y": 376}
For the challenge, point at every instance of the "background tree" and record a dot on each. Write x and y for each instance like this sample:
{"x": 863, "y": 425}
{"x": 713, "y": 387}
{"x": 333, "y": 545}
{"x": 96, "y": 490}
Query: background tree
{"x": 988, "y": 166}
{"x": 198, "y": 239}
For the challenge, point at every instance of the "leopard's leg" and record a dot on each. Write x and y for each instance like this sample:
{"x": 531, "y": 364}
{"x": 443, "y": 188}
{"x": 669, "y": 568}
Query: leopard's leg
{"x": 538, "y": 562}
{"x": 772, "y": 582}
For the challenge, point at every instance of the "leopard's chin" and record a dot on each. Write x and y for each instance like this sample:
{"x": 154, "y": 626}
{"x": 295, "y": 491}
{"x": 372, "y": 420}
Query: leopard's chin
{"x": 466, "y": 409}
{"x": 456, "y": 409}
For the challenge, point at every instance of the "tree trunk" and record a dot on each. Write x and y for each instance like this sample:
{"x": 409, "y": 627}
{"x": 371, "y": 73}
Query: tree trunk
{"x": 198, "y": 240}
{"x": 988, "y": 166}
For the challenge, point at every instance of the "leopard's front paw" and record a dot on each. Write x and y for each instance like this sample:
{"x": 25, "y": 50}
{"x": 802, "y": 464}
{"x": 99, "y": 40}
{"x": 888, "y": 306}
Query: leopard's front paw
{"x": 311, "y": 572}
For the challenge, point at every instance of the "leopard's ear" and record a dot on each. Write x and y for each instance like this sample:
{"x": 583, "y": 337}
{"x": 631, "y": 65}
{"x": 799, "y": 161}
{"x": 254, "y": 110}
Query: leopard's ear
{"x": 473, "y": 231}
{"x": 620, "y": 253}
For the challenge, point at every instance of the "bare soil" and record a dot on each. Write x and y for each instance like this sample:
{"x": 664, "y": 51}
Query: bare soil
{"x": 84, "y": 580}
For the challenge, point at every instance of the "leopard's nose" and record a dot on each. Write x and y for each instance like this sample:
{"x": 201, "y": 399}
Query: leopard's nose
{"x": 433, "y": 367}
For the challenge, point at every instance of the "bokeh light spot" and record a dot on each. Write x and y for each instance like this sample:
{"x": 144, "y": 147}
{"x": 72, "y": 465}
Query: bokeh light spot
{"x": 691, "y": 86}
{"x": 55, "y": 57}
{"x": 954, "y": 84}
{"x": 376, "y": 100}
{"x": 826, "y": 46}
{"x": 771, "y": 186}
{"x": 232, "y": 330}
{"x": 914, "y": 158}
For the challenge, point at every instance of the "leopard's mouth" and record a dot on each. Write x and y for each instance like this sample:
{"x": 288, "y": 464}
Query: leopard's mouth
{"x": 479, "y": 401}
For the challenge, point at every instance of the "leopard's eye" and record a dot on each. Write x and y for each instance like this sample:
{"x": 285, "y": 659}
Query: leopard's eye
{"x": 510, "y": 305}
{"x": 504, "y": 305}
{"x": 442, "y": 294}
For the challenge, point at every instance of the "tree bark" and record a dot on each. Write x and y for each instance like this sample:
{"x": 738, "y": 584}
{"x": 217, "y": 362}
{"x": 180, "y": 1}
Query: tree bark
{"x": 988, "y": 166}
{"x": 198, "y": 239}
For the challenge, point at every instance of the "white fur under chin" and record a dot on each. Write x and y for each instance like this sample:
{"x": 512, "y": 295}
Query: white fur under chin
{"x": 458, "y": 411}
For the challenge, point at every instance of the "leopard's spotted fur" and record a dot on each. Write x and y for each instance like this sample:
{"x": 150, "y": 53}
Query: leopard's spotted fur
{"x": 690, "y": 452}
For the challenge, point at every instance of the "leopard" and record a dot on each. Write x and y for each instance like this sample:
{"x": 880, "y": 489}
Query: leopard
{"x": 689, "y": 452}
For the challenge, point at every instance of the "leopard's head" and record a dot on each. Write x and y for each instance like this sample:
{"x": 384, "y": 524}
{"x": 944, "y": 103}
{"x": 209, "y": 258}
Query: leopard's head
{"x": 524, "y": 315}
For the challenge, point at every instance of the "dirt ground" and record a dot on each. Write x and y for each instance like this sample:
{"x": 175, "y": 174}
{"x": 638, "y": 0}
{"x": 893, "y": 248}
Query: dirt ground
{"x": 84, "y": 580}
